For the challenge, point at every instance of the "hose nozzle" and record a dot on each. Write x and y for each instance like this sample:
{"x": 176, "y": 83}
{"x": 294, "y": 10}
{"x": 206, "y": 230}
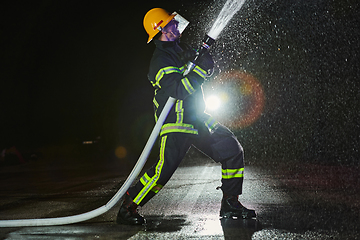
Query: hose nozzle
{"x": 206, "y": 43}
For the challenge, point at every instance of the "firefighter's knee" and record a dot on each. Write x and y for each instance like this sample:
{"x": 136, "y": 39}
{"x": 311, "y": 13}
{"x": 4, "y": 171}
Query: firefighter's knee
{"x": 226, "y": 149}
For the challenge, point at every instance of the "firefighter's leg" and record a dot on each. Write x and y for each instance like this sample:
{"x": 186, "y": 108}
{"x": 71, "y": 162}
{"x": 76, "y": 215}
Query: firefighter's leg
{"x": 222, "y": 146}
{"x": 173, "y": 148}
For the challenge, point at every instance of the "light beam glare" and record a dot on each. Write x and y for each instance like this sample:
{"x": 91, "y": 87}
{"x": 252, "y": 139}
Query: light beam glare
{"x": 237, "y": 99}
{"x": 213, "y": 102}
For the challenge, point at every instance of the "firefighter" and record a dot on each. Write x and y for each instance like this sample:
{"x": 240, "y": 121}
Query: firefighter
{"x": 186, "y": 124}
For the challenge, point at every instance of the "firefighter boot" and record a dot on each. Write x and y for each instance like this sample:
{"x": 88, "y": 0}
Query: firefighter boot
{"x": 231, "y": 207}
{"x": 128, "y": 214}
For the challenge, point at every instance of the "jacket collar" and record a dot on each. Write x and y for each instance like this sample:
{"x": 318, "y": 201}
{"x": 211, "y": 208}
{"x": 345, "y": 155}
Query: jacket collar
{"x": 168, "y": 45}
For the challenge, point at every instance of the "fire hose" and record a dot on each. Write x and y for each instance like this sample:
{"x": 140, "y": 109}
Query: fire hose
{"x": 97, "y": 212}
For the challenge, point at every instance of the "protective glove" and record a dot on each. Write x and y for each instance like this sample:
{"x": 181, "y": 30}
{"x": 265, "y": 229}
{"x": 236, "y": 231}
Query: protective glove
{"x": 206, "y": 62}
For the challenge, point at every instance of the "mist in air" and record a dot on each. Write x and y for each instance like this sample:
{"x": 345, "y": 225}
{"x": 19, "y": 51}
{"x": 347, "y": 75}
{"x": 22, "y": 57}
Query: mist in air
{"x": 302, "y": 58}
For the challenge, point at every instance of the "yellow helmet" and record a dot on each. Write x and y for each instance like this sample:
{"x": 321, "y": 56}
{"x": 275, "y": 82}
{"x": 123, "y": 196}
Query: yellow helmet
{"x": 155, "y": 20}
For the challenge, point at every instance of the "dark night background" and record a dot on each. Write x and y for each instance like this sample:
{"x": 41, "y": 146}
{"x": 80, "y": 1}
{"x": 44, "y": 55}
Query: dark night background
{"x": 75, "y": 70}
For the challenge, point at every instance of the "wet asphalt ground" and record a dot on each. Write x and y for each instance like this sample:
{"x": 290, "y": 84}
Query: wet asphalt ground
{"x": 293, "y": 201}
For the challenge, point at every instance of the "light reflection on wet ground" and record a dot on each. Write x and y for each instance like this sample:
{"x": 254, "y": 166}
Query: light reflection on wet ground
{"x": 188, "y": 207}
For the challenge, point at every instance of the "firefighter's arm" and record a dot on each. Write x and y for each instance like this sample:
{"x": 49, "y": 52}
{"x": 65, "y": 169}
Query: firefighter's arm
{"x": 170, "y": 79}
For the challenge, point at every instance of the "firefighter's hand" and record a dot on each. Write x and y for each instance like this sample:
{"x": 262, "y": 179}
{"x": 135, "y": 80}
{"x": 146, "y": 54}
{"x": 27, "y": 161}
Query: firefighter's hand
{"x": 206, "y": 62}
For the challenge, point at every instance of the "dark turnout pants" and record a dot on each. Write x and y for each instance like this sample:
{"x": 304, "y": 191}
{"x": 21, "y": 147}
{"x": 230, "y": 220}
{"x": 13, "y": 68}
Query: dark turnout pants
{"x": 221, "y": 145}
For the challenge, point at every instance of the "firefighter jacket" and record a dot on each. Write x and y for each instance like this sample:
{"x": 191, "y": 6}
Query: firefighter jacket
{"x": 166, "y": 76}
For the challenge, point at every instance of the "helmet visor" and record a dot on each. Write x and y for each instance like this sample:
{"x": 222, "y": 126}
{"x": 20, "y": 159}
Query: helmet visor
{"x": 182, "y": 22}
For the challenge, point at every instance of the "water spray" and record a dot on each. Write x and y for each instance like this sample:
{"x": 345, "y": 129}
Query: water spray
{"x": 227, "y": 12}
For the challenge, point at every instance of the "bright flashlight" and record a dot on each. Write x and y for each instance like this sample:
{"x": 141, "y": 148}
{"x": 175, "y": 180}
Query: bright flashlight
{"x": 213, "y": 102}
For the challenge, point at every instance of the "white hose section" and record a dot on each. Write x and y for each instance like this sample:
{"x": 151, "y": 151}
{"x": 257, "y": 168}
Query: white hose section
{"x": 97, "y": 212}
